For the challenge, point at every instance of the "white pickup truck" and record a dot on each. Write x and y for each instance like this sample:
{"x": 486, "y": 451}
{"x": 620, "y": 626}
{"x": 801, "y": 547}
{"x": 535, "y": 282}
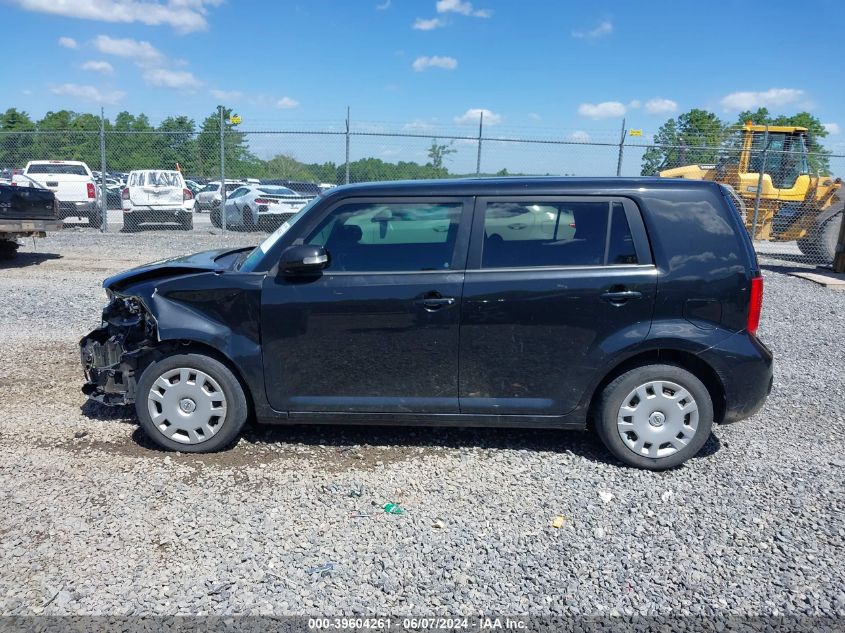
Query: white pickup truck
{"x": 72, "y": 183}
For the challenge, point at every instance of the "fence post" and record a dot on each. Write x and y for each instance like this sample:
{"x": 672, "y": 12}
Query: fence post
{"x": 347, "y": 145}
{"x": 104, "y": 199}
{"x": 222, "y": 173}
{"x": 480, "y": 132}
{"x": 760, "y": 184}
{"x": 621, "y": 150}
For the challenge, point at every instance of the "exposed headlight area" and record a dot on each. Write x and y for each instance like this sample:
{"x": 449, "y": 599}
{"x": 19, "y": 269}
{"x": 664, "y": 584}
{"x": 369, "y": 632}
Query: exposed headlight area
{"x": 110, "y": 353}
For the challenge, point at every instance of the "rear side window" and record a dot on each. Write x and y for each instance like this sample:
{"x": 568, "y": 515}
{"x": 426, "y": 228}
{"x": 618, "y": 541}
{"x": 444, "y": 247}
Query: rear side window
{"x": 577, "y": 233}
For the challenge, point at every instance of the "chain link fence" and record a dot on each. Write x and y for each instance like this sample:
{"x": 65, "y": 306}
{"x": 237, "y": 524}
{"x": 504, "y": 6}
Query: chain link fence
{"x": 784, "y": 185}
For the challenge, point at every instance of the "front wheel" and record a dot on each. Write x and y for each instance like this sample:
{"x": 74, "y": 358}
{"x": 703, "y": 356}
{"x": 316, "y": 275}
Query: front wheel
{"x": 190, "y": 403}
{"x": 820, "y": 242}
{"x": 655, "y": 416}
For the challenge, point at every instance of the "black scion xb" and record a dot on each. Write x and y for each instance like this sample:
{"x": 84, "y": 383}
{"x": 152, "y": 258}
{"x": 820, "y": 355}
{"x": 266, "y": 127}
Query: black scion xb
{"x": 631, "y": 304}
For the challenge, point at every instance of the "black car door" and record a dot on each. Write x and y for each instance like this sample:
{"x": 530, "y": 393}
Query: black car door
{"x": 554, "y": 287}
{"x": 377, "y": 331}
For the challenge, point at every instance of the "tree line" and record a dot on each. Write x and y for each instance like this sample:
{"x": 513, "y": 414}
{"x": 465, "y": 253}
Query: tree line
{"x": 697, "y": 136}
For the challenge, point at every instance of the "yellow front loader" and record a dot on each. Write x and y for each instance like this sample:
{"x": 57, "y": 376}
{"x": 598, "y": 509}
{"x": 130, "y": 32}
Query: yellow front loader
{"x": 794, "y": 203}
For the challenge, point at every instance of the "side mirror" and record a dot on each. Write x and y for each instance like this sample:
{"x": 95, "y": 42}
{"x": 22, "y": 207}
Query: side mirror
{"x": 303, "y": 259}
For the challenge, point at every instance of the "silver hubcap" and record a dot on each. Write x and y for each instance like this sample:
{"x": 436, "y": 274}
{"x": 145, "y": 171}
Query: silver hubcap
{"x": 657, "y": 419}
{"x": 187, "y": 405}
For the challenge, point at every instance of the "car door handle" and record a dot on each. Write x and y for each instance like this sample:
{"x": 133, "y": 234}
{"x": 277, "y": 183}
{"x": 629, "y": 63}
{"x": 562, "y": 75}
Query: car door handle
{"x": 432, "y": 302}
{"x": 618, "y": 297}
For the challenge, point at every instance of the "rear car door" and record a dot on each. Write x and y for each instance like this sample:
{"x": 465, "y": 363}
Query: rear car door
{"x": 377, "y": 331}
{"x": 542, "y": 313}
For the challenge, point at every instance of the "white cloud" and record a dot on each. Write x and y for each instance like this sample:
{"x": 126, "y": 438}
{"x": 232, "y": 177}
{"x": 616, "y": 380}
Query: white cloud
{"x": 383, "y": 6}
{"x": 88, "y": 93}
{"x": 417, "y": 125}
{"x": 604, "y": 110}
{"x": 183, "y": 15}
{"x": 773, "y": 97}
{"x": 534, "y": 116}
{"x": 660, "y": 106}
{"x": 164, "y": 78}
{"x": 226, "y": 95}
{"x": 604, "y": 28}
{"x": 633, "y": 105}
{"x": 286, "y": 103}
{"x": 832, "y": 128}
{"x": 422, "y": 24}
{"x": 579, "y": 136}
{"x": 471, "y": 117}
{"x": 464, "y": 8}
{"x": 68, "y": 42}
{"x": 98, "y": 67}
{"x": 142, "y": 52}
{"x": 436, "y": 61}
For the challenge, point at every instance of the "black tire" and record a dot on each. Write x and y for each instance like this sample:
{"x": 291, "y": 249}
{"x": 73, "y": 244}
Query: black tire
{"x": 8, "y": 249}
{"x": 130, "y": 223}
{"x": 227, "y": 429}
{"x": 820, "y": 243}
{"x": 614, "y": 395}
{"x": 95, "y": 220}
{"x": 214, "y": 216}
{"x": 247, "y": 223}
{"x": 186, "y": 221}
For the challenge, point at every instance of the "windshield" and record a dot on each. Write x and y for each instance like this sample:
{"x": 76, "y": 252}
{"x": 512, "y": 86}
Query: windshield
{"x": 277, "y": 191}
{"x": 259, "y": 251}
{"x": 210, "y": 188}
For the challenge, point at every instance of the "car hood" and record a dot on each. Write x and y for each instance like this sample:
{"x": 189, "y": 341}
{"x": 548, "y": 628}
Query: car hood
{"x": 206, "y": 261}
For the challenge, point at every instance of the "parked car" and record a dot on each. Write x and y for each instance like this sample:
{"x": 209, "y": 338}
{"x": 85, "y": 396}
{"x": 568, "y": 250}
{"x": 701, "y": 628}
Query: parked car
{"x": 309, "y": 189}
{"x": 25, "y": 212}
{"x": 209, "y": 196}
{"x": 266, "y": 206}
{"x": 72, "y": 183}
{"x": 157, "y": 196}
{"x": 404, "y": 303}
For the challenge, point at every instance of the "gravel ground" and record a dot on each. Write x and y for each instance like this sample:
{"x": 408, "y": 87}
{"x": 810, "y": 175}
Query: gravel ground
{"x": 96, "y": 521}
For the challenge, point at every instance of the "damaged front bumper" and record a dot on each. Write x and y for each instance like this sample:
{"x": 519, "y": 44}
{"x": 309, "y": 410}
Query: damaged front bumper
{"x": 111, "y": 354}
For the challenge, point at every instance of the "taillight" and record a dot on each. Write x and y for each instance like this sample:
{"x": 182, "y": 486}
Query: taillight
{"x": 265, "y": 201}
{"x": 124, "y": 195}
{"x": 755, "y": 305}
{"x": 92, "y": 193}
{"x": 187, "y": 194}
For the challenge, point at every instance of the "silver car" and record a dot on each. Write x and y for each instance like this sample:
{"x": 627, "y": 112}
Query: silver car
{"x": 265, "y": 207}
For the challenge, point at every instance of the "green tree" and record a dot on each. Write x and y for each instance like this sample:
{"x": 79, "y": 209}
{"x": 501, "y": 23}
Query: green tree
{"x": 438, "y": 152}
{"x": 176, "y": 144}
{"x": 16, "y": 138}
{"x": 694, "y": 138}
{"x": 237, "y": 155}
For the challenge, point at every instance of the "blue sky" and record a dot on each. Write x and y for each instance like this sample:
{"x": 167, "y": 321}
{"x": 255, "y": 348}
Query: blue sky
{"x": 549, "y": 68}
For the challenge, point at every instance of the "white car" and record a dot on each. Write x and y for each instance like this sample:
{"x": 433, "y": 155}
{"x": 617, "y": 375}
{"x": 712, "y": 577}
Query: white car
{"x": 260, "y": 207}
{"x": 72, "y": 183}
{"x": 209, "y": 196}
{"x": 157, "y": 196}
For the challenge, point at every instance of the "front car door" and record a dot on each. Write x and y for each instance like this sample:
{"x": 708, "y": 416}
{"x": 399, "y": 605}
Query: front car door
{"x": 544, "y": 307}
{"x": 377, "y": 331}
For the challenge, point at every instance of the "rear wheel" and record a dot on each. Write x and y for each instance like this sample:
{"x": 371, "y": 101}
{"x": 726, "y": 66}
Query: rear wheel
{"x": 247, "y": 222}
{"x": 95, "y": 220}
{"x": 190, "y": 403}
{"x": 214, "y": 216}
{"x": 130, "y": 223}
{"x": 820, "y": 243}
{"x": 186, "y": 221}
{"x": 655, "y": 416}
{"x": 8, "y": 249}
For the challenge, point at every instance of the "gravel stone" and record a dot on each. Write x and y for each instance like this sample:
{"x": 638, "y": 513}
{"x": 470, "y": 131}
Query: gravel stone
{"x": 96, "y": 521}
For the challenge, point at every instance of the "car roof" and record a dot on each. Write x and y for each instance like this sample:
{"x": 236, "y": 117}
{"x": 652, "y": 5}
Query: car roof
{"x": 514, "y": 185}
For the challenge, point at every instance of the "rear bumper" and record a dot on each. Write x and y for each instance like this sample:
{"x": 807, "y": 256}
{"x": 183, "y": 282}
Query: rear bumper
{"x": 81, "y": 209}
{"x": 25, "y": 228}
{"x": 745, "y": 366}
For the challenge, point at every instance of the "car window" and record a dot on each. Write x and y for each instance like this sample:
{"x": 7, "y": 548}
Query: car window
{"x": 57, "y": 168}
{"x": 528, "y": 234}
{"x": 231, "y": 186}
{"x": 210, "y": 189}
{"x": 382, "y": 237}
{"x": 237, "y": 193}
